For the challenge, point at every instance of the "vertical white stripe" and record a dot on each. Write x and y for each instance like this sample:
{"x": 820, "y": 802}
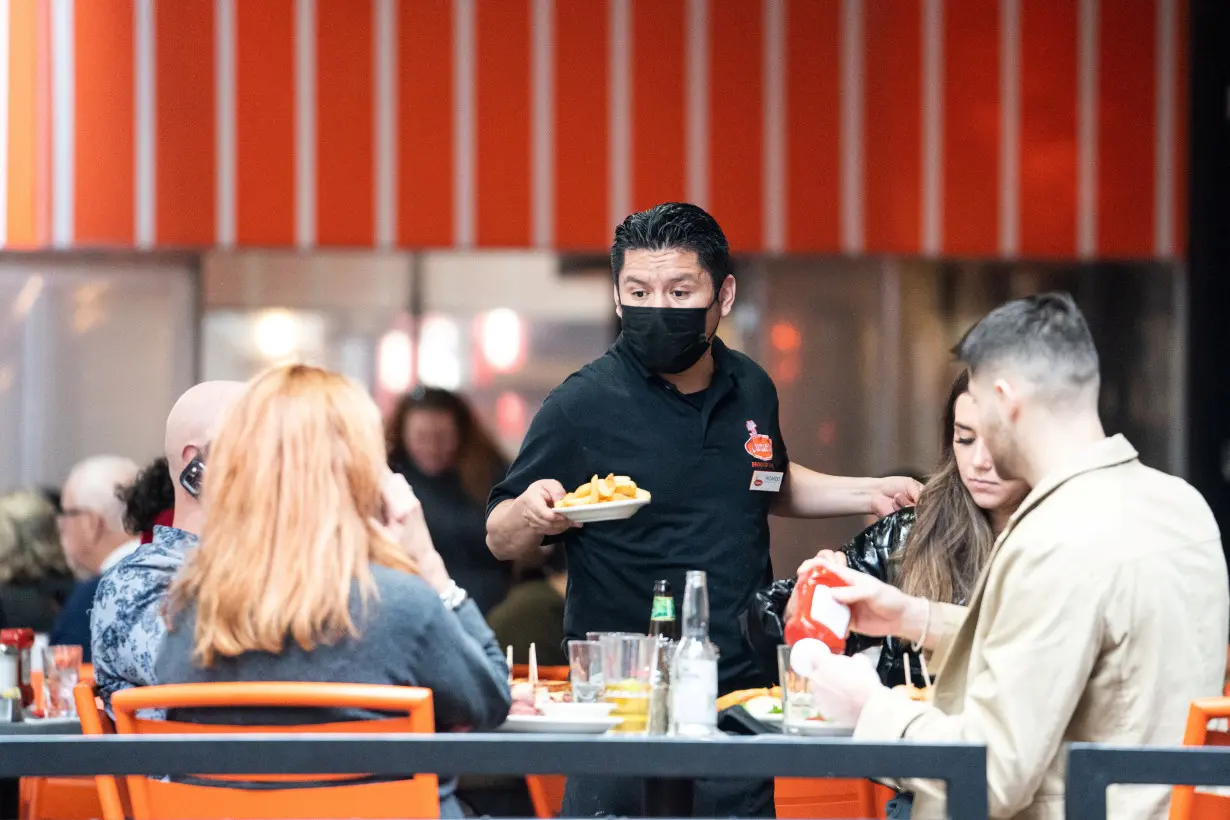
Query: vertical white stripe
{"x": 933, "y": 128}
{"x": 305, "y": 123}
{"x": 542, "y": 96}
{"x": 697, "y": 45}
{"x": 773, "y": 164}
{"x": 384, "y": 31}
{"x": 852, "y": 194}
{"x": 4, "y": 122}
{"x": 224, "y": 121}
{"x": 1009, "y": 127}
{"x": 1163, "y": 159}
{"x": 63, "y": 111}
{"x": 619, "y": 125}
{"x": 465, "y": 204}
{"x": 145, "y": 215}
{"x": 1087, "y": 131}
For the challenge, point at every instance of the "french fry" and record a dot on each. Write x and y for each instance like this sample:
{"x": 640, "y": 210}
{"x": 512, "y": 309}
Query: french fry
{"x": 602, "y": 490}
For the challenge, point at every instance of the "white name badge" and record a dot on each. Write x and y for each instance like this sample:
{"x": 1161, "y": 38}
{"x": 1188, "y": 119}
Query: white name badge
{"x": 766, "y": 482}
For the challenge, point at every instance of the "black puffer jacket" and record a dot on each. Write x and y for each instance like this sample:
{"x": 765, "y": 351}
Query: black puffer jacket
{"x": 871, "y": 552}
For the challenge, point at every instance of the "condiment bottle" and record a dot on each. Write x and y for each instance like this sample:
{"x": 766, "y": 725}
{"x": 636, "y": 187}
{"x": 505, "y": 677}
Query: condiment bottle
{"x": 819, "y": 615}
{"x": 21, "y": 640}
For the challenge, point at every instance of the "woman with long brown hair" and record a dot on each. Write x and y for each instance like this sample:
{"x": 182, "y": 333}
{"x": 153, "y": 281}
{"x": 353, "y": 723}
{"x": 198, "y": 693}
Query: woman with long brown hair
{"x": 437, "y": 442}
{"x": 315, "y": 565}
{"x": 935, "y": 550}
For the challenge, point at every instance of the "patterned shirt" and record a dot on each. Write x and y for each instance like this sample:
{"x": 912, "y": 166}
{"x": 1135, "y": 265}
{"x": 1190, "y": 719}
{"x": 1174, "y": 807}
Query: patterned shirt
{"x": 126, "y": 624}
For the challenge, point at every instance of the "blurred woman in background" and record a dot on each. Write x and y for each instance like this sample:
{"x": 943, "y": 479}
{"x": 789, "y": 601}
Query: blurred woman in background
{"x": 149, "y": 501}
{"x": 315, "y": 565}
{"x": 34, "y": 576}
{"x": 436, "y": 442}
{"x": 935, "y": 550}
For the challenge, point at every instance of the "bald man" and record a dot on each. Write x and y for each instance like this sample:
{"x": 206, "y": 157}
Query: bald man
{"x": 126, "y": 623}
{"x": 91, "y": 525}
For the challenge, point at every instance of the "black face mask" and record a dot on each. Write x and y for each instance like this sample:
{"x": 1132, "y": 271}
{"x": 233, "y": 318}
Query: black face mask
{"x": 666, "y": 340}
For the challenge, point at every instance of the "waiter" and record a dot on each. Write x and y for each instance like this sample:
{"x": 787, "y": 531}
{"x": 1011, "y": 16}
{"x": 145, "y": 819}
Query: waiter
{"x": 694, "y": 423}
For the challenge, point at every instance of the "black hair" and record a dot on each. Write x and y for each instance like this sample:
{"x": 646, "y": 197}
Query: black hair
{"x": 150, "y": 495}
{"x": 555, "y": 562}
{"x": 1046, "y": 335}
{"x": 674, "y": 226}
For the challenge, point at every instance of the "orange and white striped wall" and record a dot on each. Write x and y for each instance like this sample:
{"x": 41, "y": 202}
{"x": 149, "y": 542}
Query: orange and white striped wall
{"x": 988, "y": 128}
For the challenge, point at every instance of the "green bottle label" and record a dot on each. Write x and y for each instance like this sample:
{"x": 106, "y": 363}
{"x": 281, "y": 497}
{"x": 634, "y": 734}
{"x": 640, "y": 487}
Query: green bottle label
{"x": 663, "y": 609}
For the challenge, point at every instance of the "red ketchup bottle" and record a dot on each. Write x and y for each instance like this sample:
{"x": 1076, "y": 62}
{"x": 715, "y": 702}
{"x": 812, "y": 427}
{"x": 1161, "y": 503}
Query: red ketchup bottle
{"x": 818, "y": 615}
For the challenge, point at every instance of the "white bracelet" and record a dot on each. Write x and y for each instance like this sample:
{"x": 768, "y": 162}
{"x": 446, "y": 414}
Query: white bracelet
{"x": 454, "y": 596}
{"x": 920, "y": 644}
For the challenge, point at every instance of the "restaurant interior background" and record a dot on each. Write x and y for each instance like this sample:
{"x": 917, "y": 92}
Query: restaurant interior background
{"x": 404, "y": 192}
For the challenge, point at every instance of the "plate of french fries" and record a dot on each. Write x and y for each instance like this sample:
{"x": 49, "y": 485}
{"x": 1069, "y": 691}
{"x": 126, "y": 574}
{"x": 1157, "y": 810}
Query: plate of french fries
{"x": 603, "y": 499}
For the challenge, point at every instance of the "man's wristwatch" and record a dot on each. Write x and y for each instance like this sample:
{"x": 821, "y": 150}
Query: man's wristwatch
{"x": 453, "y": 596}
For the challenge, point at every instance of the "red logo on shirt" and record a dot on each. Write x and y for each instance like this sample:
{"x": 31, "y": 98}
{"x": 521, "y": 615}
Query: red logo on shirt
{"x": 758, "y": 446}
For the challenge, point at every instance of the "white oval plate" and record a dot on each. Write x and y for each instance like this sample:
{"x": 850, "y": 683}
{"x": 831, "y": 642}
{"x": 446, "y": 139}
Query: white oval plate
{"x": 819, "y": 728}
{"x": 538, "y": 724}
{"x": 576, "y": 711}
{"x": 605, "y": 511}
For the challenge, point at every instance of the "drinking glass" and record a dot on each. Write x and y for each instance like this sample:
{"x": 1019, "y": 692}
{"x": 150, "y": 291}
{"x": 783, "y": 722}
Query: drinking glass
{"x": 585, "y": 671}
{"x": 628, "y": 663}
{"x": 61, "y": 665}
{"x": 797, "y": 702}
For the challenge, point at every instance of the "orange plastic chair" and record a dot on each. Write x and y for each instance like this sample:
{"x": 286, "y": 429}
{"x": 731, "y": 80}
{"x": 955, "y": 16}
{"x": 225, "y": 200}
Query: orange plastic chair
{"x": 547, "y": 794}
{"x": 341, "y": 797}
{"x": 1185, "y": 802}
{"x": 820, "y": 799}
{"x": 555, "y": 673}
{"x": 112, "y": 792}
{"x": 70, "y": 798}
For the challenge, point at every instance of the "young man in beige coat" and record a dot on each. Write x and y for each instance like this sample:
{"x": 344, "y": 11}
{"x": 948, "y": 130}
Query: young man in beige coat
{"x": 1101, "y": 614}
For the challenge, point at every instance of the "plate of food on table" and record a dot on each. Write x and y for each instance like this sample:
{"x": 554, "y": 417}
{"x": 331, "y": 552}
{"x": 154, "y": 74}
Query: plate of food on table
{"x": 613, "y": 498}
{"x": 546, "y": 707}
{"x": 767, "y": 707}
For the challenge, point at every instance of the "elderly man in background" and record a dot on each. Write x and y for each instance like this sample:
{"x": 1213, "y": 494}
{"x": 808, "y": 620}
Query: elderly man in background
{"x": 126, "y": 622}
{"x": 1102, "y": 611}
{"x": 91, "y": 525}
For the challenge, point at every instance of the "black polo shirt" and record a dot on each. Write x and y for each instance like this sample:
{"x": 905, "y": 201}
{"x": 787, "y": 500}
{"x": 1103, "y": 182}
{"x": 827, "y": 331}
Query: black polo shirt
{"x": 697, "y": 455}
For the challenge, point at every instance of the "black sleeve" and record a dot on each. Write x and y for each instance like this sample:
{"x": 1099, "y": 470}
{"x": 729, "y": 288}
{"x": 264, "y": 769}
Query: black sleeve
{"x": 763, "y": 624}
{"x": 550, "y": 450}
{"x": 871, "y": 551}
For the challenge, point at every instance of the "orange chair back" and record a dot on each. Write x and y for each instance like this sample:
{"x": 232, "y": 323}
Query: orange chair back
{"x": 1185, "y": 802}
{"x": 340, "y": 796}
{"x": 67, "y": 798}
{"x": 820, "y": 799}
{"x": 555, "y": 673}
{"x": 112, "y": 792}
{"x": 547, "y": 794}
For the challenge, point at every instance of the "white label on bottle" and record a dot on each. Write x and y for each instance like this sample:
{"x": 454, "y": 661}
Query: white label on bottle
{"x": 694, "y": 692}
{"x": 826, "y": 610}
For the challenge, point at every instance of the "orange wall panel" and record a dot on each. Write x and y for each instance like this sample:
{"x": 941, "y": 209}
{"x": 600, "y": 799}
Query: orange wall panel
{"x": 813, "y": 126}
{"x": 971, "y": 127}
{"x": 344, "y": 156}
{"x": 1048, "y": 151}
{"x": 582, "y": 179}
{"x": 1126, "y": 127}
{"x": 892, "y": 127}
{"x": 658, "y": 146}
{"x": 184, "y": 154}
{"x": 23, "y": 174}
{"x": 736, "y": 122}
{"x": 425, "y": 124}
{"x": 103, "y": 83}
{"x": 502, "y": 123}
{"x": 265, "y": 123}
